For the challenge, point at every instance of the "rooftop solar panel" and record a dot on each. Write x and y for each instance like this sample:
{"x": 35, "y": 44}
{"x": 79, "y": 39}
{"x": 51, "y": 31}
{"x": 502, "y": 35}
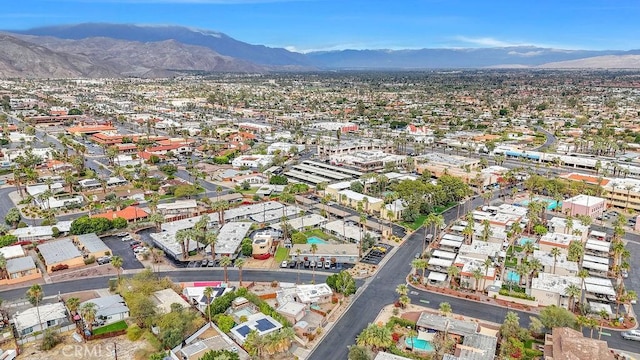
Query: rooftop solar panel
{"x": 264, "y": 325}
{"x": 243, "y": 330}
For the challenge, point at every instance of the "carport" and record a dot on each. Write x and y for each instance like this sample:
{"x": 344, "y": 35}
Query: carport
{"x": 443, "y": 254}
{"x": 435, "y": 276}
{"x": 442, "y": 263}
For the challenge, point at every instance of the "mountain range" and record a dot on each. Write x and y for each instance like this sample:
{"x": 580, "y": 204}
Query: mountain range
{"x": 112, "y": 50}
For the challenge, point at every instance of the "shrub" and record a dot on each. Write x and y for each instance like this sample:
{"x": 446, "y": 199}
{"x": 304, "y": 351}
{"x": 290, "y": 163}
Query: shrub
{"x": 90, "y": 260}
{"x": 517, "y": 295}
{"x": 59, "y": 267}
{"x": 134, "y": 332}
{"x": 55, "y": 232}
{"x": 49, "y": 340}
{"x": 22, "y": 224}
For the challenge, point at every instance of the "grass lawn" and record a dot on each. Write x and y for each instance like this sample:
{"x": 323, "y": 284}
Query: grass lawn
{"x": 281, "y": 254}
{"x": 416, "y": 224}
{"x": 510, "y": 262}
{"x": 441, "y": 209}
{"x": 118, "y": 325}
{"x": 252, "y": 190}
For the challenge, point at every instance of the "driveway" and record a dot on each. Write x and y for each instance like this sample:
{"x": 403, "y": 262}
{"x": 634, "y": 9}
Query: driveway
{"x": 122, "y": 249}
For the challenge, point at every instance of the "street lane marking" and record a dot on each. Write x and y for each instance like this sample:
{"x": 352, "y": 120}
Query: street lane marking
{"x": 425, "y": 301}
{"x": 605, "y": 334}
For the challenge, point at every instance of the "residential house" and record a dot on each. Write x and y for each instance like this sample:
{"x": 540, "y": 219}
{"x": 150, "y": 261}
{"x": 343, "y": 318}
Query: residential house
{"x": 51, "y": 315}
{"x": 130, "y": 213}
{"x": 568, "y": 344}
{"x": 110, "y": 308}
{"x": 60, "y": 253}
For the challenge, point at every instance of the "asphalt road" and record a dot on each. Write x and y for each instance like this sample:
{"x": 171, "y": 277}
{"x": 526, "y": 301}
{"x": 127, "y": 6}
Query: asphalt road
{"x": 283, "y": 275}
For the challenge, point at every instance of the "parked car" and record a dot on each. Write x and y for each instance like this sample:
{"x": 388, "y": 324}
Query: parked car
{"x": 631, "y": 335}
{"x": 103, "y": 260}
{"x": 127, "y": 238}
{"x": 204, "y": 263}
{"x": 312, "y": 264}
{"x": 122, "y": 234}
{"x": 307, "y": 263}
{"x": 624, "y": 273}
{"x": 327, "y": 264}
{"x": 140, "y": 250}
{"x": 284, "y": 264}
{"x": 293, "y": 264}
{"x": 135, "y": 243}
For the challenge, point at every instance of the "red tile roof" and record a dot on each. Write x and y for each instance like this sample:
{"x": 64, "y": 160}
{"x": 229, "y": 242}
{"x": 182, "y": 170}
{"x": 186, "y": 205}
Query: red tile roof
{"x": 128, "y": 213}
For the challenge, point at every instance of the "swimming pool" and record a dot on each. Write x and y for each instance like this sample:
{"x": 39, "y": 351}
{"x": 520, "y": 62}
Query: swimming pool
{"x": 418, "y": 344}
{"x": 551, "y": 204}
{"x": 513, "y": 276}
{"x": 524, "y": 241}
{"x": 315, "y": 240}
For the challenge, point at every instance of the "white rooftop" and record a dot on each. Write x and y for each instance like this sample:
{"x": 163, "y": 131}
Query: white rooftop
{"x": 554, "y": 283}
{"x": 584, "y": 200}
{"x": 48, "y": 312}
{"x": 13, "y": 251}
{"x": 230, "y": 236}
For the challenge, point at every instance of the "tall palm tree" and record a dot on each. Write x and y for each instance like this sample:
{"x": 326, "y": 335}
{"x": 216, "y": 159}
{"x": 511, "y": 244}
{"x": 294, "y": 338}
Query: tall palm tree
{"x": 181, "y": 236}
{"x": 225, "y": 261}
{"x": 477, "y": 275}
{"x": 487, "y": 264}
{"x": 208, "y": 293}
{"x": 582, "y": 274}
{"x": 420, "y": 264}
{"x": 298, "y": 252}
{"x": 3, "y": 266}
{"x": 88, "y": 312}
{"x": 555, "y": 252}
{"x": 239, "y": 263}
{"x": 453, "y": 271}
{"x": 117, "y": 262}
{"x": 34, "y": 296}
{"x": 572, "y": 291}
{"x": 314, "y": 249}
{"x": 210, "y": 238}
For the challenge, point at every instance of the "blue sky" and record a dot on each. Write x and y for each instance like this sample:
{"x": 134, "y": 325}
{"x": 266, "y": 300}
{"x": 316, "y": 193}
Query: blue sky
{"x": 303, "y": 25}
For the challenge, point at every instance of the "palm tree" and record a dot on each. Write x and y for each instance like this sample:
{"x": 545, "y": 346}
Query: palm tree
{"x": 420, "y": 264}
{"x": 402, "y": 289}
{"x": 210, "y": 239}
{"x": 375, "y": 336}
{"x": 34, "y": 296}
{"x": 528, "y": 248}
{"x": 181, "y": 236}
{"x": 225, "y": 261}
{"x": 477, "y": 275}
{"x": 298, "y": 253}
{"x": 88, "y": 312}
{"x": 208, "y": 293}
{"x": 572, "y": 291}
{"x": 314, "y": 249}
{"x": 555, "y": 252}
{"x": 444, "y": 308}
{"x": 239, "y": 263}
{"x": 157, "y": 219}
{"x": 487, "y": 264}
{"x": 72, "y": 304}
{"x": 453, "y": 271}
{"x": 582, "y": 274}
{"x": 117, "y": 262}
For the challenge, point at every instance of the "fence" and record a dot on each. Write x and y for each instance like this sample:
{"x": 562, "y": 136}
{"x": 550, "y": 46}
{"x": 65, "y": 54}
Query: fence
{"x": 106, "y": 335}
{"x": 28, "y": 339}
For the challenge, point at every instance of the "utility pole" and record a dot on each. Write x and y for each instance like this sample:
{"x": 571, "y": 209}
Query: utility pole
{"x": 115, "y": 350}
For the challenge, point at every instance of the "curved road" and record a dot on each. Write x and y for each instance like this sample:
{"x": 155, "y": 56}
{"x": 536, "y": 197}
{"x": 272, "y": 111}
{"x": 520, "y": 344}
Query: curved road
{"x": 374, "y": 294}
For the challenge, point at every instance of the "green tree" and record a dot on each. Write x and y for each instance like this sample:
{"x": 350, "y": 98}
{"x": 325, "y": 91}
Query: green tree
{"x": 444, "y": 308}
{"x": 376, "y": 337}
{"x": 88, "y": 312}
{"x": 224, "y": 322}
{"x": 359, "y": 353}
{"x": 553, "y": 317}
{"x": 117, "y": 262}
{"x": 13, "y": 217}
{"x": 220, "y": 355}
{"x": 225, "y": 262}
{"x": 345, "y": 284}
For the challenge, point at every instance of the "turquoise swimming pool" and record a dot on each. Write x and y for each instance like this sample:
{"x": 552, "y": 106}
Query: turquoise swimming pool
{"x": 525, "y": 240}
{"x": 418, "y": 344}
{"x": 551, "y": 204}
{"x": 315, "y": 240}
{"x": 513, "y": 276}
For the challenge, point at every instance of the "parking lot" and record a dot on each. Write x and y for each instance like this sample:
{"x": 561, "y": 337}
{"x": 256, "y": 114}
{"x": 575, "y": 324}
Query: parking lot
{"x": 376, "y": 254}
{"x": 122, "y": 249}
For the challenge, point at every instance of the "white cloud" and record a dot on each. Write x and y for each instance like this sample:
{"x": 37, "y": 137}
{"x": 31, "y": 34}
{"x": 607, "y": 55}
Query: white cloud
{"x": 486, "y": 41}
{"x": 526, "y": 54}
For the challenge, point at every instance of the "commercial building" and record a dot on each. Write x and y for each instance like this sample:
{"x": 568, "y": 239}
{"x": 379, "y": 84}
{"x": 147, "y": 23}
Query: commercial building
{"x": 60, "y": 252}
{"x": 343, "y": 127}
{"x": 550, "y": 289}
{"x": 328, "y": 149}
{"x": 337, "y": 253}
{"x": 368, "y": 161}
{"x": 284, "y": 148}
{"x": 178, "y": 209}
{"x": 588, "y": 205}
{"x": 230, "y": 237}
{"x": 352, "y": 199}
{"x": 252, "y": 161}
{"x": 623, "y": 193}
{"x": 166, "y": 239}
{"x": 348, "y": 231}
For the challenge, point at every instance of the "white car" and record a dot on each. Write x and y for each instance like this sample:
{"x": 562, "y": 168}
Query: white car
{"x": 140, "y": 250}
{"x": 284, "y": 264}
{"x": 631, "y": 335}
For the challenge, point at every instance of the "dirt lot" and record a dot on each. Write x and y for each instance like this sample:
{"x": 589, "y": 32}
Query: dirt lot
{"x": 94, "y": 350}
